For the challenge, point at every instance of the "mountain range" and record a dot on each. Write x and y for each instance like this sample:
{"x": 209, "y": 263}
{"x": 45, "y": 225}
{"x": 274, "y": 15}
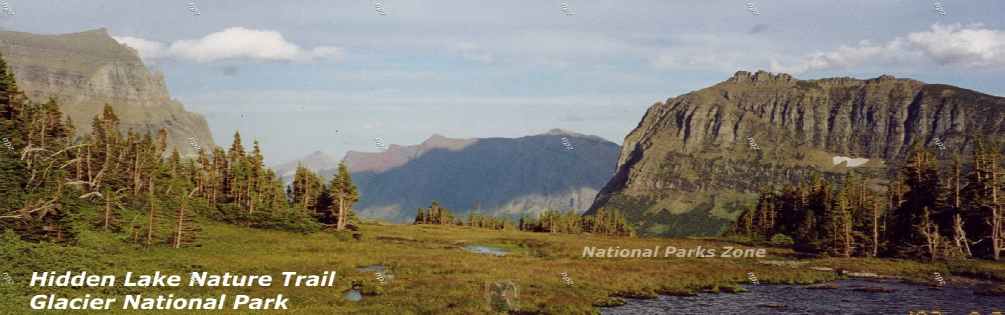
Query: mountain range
{"x": 558, "y": 170}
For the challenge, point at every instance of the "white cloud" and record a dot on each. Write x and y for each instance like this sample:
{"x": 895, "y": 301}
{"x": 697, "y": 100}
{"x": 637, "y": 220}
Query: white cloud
{"x": 147, "y": 49}
{"x": 956, "y": 45}
{"x": 951, "y": 45}
{"x": 845, "y": 57}
{"x": 231, "y": 43}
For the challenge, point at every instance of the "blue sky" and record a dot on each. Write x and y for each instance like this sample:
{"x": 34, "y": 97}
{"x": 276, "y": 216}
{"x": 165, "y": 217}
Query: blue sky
{"x": 302, "y": 76}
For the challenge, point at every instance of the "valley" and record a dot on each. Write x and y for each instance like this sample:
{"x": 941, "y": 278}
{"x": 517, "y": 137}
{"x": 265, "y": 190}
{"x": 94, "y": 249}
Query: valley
{"x": 757, "y": 193}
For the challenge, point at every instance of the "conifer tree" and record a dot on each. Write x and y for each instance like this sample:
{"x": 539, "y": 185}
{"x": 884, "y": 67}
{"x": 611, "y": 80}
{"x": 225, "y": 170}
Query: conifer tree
{"x": 344, "y": 194}
{"x": 922, "y": 180}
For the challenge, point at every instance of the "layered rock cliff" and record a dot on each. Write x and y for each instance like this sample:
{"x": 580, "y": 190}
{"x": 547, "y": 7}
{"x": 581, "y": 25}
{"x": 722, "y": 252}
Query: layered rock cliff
{"x": 86, "y": 70}
{"x": 696, "y": 159}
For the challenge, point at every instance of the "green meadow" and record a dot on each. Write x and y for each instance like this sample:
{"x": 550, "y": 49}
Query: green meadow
{"x": 428, "y": 270}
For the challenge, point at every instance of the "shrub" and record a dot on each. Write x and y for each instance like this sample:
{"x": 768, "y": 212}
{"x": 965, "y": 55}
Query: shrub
{"x": 782, "y": 240}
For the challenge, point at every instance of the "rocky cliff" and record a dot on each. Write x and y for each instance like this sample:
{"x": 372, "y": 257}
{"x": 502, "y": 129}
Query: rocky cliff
{"x": 696, "y": 159}
{"x": 86, "y": 70}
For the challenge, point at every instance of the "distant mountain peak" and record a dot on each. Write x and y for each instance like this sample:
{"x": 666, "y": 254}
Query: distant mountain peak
{"x": 438, "y": 139}
{"x": 317, "y": 153}
{"x": 316, "y": 161}
{"x": 760, "y": 76}
{"x": 558, "y": 131}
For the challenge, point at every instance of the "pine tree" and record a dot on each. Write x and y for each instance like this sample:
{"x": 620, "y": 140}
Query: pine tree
{"x": 924, "y": 193}
{"x": 840, "y": 219}
{"x": 344, "y": 193}
{"x": 983, "y": 216}
{"x": 874, "y": 227}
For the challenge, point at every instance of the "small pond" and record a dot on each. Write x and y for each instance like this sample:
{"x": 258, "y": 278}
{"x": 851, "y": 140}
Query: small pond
{"x": 488, "y": 250}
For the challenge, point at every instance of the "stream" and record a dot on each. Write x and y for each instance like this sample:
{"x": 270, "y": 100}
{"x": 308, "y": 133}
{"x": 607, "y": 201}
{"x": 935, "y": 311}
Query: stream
{"x": 845, "y": 299}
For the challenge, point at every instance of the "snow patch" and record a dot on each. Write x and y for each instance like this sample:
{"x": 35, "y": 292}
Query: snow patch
{"x": 852, "y": 162}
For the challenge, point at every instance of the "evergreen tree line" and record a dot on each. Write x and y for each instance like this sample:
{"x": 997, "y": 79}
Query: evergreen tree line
{"x": 931, "y": 210}
{"x": 550, "y": 221}
{"x": 332, "y": 203}
{"x": 53, "y": 183}
{"x": 605, "y": 222}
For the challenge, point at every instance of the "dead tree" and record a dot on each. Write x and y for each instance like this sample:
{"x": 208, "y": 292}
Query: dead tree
{"x": 151, "y": 213}
{"x": 182, "y": 223}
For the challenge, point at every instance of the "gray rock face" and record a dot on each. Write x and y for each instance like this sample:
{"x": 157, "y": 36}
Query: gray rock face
{"x": 697, "y": 157}
{"x": 86, "y": 70}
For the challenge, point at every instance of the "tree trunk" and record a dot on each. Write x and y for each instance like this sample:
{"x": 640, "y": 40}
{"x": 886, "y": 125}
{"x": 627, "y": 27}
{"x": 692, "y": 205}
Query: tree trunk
{"x": 961, "y": 236}
{"x": 341, "y": 214}
{"x": 79, "y": 170}
{"x": 137, "y": 181}
{"x": 150, "y": 215}
{"x": 181, "y": 222}
{"x": 89, "y": 177}
{"x": 108, "y": 208}
{"x": 996, "y": 215}
{"x": 307, "y": 190}
{"x": 875, "y": 229}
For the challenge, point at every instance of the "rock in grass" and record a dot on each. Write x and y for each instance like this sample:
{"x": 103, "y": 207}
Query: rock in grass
{"x": 860, "y": 274}
{"x": 353, "y": 296}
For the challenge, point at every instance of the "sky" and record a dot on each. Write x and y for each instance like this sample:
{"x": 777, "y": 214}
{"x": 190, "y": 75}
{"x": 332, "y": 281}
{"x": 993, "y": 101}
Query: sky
{"x": 330, "y": 75}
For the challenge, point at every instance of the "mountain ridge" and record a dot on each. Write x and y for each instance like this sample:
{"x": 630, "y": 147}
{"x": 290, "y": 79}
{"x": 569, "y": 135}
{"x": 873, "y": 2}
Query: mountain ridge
{"x": 496, "y": 176}
{"x": 86, "y": 70}
{"x": 706, "y": 153}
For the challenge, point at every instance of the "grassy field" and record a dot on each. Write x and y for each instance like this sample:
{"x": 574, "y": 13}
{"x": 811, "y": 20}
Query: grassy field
{"x": 432, "y": 273}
